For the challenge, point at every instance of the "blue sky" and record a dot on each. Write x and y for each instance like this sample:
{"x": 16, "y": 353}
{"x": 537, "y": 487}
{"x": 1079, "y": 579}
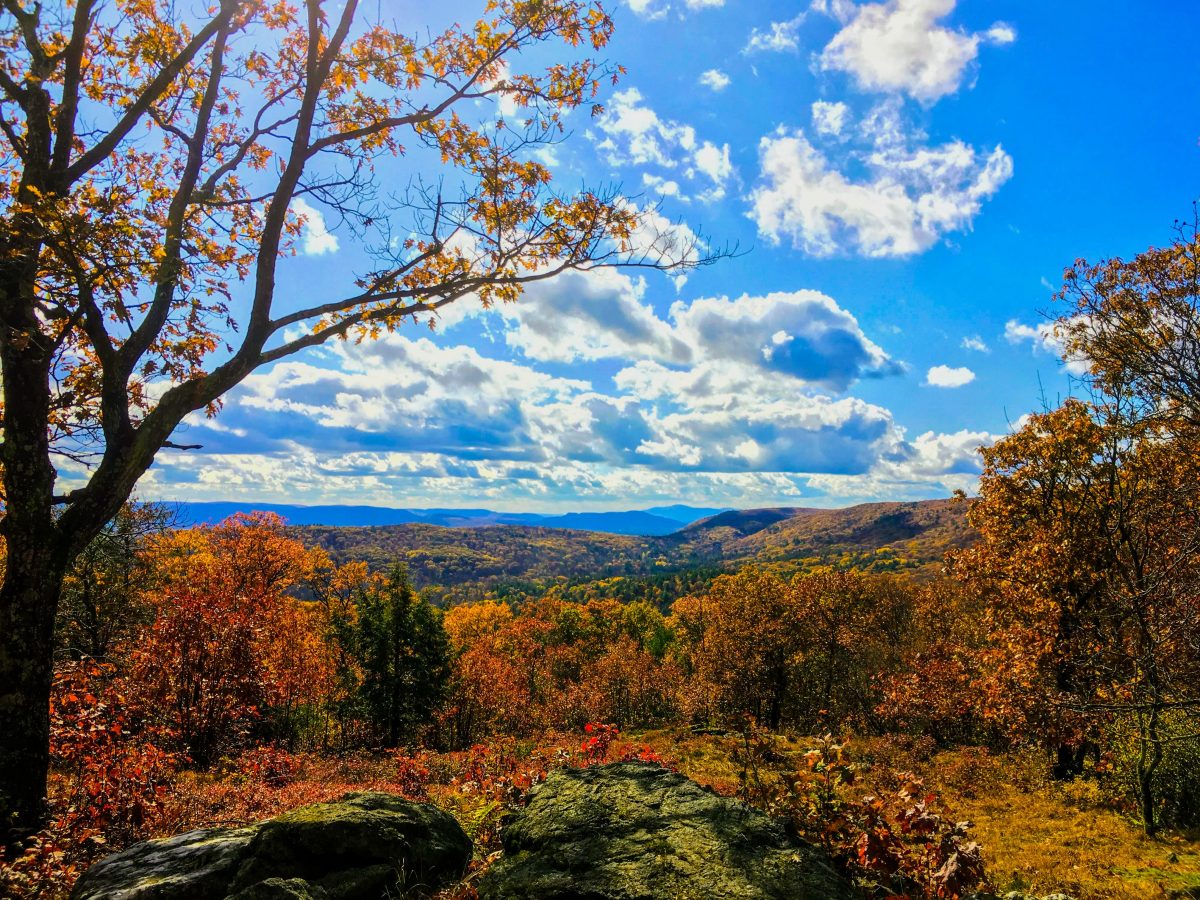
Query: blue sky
{"x": 907, "y": 180}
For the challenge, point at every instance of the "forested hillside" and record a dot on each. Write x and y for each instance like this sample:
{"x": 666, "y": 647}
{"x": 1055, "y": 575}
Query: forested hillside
{"x": 875, "y": 537}
{"x": 453, "y": 557}
{"x": 458, "y": 564}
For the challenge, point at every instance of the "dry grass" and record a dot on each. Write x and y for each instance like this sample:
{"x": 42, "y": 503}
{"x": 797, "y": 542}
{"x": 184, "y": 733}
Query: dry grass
{"x": 1042, "y": 843}
{"x": 1038, "y": 836}
{"x": 1044, "y": 837}
{"x": 711, "y": 759}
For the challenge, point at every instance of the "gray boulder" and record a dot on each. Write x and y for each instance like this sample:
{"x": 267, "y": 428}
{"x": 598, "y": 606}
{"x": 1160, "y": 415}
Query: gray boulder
{"x": 363, "y": 847}
{"x": 198, "y": 865}
{"x": 637, "y": 831}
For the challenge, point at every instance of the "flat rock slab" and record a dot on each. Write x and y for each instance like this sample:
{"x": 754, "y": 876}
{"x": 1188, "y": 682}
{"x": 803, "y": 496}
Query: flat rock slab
{"x": 363, "y": 847}
{"x": 637, "y": 831}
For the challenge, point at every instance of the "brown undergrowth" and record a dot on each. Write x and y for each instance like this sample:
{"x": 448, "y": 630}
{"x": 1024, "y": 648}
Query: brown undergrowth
{"x": 1037, "y": 836}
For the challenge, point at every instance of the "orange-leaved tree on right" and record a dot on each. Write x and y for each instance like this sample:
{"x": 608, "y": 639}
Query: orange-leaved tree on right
{"x": 1089, "y": 516}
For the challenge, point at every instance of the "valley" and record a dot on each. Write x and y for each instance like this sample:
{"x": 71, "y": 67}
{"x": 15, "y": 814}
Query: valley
{"x": 453, "y": 564}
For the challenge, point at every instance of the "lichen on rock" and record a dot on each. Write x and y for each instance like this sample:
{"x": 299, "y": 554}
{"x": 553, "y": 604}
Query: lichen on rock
{"x": 359, "y": 848}
{"x": 637, "y": 831}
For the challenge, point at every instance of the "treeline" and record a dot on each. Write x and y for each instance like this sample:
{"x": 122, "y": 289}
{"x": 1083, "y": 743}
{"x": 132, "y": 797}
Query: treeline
{"x": 660, "y": 589}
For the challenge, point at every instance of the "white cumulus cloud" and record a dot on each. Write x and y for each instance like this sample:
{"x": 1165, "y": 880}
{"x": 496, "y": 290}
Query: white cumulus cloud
{"x": 947, "y": 377}
{"x": 315, "y": 238}
{"x": 715, "y": 80}
{"x": 1044, "y": 339}
{"x": 1041, "y": 336}
{"x": 899, "y": 46}
{"x": 904, "y": 197}
{"x": 635, "y": 135}
{"x": 714, "y": 346}
{"x": 830, "y": 118}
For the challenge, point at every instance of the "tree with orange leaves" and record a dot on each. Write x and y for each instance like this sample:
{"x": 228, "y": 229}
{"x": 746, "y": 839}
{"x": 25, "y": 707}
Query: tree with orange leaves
{"x": 1134, "y": 325}
{"x": 231, "y": 649}
{"x": 749, "y": 645}
{"x": 151, "y": 160}
{"x": 802, "y": 651}
{"x": 1089, "y": 517}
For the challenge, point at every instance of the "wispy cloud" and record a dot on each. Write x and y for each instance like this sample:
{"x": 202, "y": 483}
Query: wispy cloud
{"x": 976, "y": 343}
{"x": 777, "y": 37}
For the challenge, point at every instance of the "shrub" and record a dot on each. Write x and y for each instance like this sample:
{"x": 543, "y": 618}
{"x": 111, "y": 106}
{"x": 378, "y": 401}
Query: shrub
{"x": 1177, "y": 779}
{"x": 110, "y": 778}
{"x": 904, "y": 841}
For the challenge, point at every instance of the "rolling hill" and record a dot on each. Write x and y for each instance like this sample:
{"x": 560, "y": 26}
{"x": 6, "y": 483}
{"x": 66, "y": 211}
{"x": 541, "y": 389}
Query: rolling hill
{"x": 876, "y": 537}
{"x": 447, "y": 556}
{"x": 657, "y": 521}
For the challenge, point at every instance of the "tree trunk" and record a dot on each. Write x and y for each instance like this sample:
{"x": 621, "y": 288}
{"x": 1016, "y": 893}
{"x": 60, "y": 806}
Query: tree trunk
{"x": 825, "y": 713}
{"x": 28, "y": 601}
{"x": 36, "y": 561}
{"x": 40, "y": 548}
{"x": 1068, "y": 762}
{"x": 775, "y": 709}
{"x": 1149, "y": 759}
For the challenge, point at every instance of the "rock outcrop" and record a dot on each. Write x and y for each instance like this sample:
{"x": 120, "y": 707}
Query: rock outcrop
{"x": 636, "y": 831}
{"x": 363, "y": 847}
{"x": 625, "y": 831}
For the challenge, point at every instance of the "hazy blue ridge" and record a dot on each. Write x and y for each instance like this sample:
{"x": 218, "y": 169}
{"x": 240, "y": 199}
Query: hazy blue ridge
{"x": 656, "y": 521}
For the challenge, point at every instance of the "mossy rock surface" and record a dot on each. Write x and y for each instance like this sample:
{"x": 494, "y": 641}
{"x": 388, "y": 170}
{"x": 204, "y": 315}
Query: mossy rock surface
{"x": 636, "y": 831}
{"x": 359, "y": 847}
{"x": 363, "y": 847}
{"x": 281, "y": 889}
{"x": 198, "y": 865}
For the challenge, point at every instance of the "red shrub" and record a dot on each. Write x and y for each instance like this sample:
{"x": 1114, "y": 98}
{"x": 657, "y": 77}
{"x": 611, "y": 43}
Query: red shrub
{"x": 110, "y": 779}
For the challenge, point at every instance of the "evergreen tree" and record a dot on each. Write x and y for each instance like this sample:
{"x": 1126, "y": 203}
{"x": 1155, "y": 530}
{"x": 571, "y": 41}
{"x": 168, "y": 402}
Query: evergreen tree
{"x": 399, "y": 647}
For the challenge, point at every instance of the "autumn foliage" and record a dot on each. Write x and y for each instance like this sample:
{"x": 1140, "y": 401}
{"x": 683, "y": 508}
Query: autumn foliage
{"x": 229, "y": 642}
{"x": 254, "y": 650}
{"x": 115, "y": 763}
{"x": 238, "y": 663}
{"x": 258, "y": 662}
{"x": 158, "y": 165}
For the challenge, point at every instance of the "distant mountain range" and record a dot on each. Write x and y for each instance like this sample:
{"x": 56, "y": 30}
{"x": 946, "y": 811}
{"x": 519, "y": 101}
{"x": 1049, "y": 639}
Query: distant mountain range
{"x": 653, "y": 522}
{"x": 471, "y": 561}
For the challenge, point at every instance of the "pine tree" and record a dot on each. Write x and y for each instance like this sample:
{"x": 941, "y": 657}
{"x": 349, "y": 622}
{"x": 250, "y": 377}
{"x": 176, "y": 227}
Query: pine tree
{"x": 402, "y": 655}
